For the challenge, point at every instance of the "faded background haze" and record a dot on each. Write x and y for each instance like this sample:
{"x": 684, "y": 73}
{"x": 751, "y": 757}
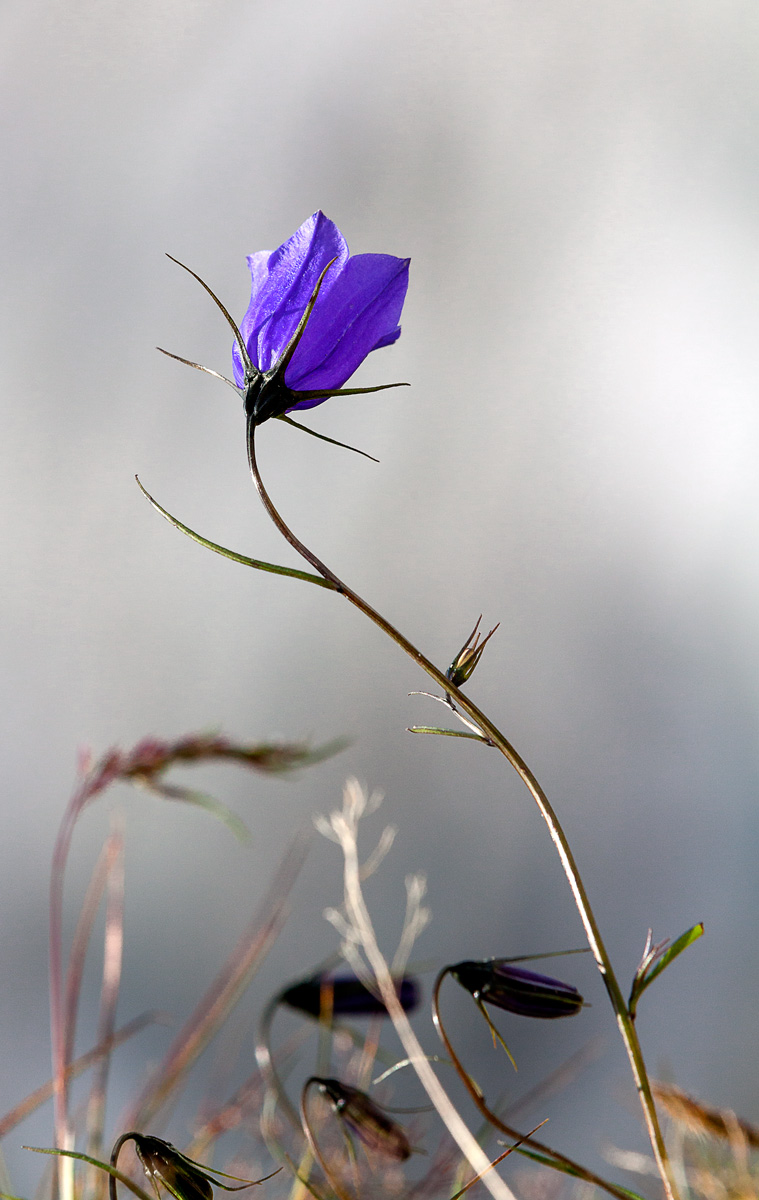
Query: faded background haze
{"x": 576, "y": 184}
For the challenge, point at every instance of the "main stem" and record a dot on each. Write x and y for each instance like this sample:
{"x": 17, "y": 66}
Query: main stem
{"x": 592, "y": 932}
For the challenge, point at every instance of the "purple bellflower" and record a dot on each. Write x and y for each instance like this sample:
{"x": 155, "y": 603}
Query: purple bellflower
{"x": 315, "y": 313}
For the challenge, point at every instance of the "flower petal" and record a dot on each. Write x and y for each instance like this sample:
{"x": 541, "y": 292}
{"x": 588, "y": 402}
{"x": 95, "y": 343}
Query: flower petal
{"x": 359, "y": 314}
{"x": 282, "y": 287}
{"x": 259, "y": 270}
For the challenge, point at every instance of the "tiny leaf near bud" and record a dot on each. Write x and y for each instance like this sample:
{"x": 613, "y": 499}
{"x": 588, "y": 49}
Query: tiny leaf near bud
{"x": 656, "y": 958}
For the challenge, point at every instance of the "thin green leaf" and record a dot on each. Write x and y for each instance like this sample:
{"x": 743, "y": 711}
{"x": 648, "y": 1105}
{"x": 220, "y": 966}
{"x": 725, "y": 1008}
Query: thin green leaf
{"x": 496, "y": 1161}
{"x": 514, "y": 958}
{"x": 238, "y": 336}
{"x": 661, "y": 962}
{"x": 565, "y": 1169}
{"x": 95, "y": 1162}
{"x": 409, "y": 1062}
{"x": 317, "y": 395}
{"x": 232, "y": 554}
{"x": 686, "y": 939}
{"x": 323, "y": 437}
{"x": 496, "y": 1033}
{"x": 199, "y": 367}
{"x": 248, "y": 1183}
{"x": 476, "y": 737}
{"x": 233, "y": 823}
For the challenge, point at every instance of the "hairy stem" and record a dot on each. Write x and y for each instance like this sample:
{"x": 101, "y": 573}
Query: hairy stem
{"x": 625, "y": 1023}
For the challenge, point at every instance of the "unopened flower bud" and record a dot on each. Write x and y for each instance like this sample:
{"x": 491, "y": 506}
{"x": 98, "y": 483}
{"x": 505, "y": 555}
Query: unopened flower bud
{"x": 164, "y": 1164}
{"x": 167, "y": 1167}
{"x": 366, "y": 1119}
{"x": 468, "y": 656}
{"x": 498, "y": 982}
{"x": 345, "y": 996}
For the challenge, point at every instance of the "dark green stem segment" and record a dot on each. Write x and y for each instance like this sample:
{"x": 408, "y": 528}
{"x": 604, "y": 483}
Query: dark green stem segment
{"x": 624, "y": 1021}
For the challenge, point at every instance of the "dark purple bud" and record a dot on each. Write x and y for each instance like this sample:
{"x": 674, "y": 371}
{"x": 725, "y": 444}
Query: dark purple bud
{"x": 516, "y": 990}
{"x": 468, "y": 656}
{"x": 367, "y": 1120}
{"x": 345, "y": 996}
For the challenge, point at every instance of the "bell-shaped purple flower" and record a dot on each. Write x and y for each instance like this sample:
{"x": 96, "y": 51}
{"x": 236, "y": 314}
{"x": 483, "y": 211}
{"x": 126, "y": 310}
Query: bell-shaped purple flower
{"x": 357, "y": 303}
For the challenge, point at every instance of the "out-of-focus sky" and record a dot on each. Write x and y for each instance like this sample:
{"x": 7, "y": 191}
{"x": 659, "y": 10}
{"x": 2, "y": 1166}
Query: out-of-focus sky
{"x": 576, "y": 184}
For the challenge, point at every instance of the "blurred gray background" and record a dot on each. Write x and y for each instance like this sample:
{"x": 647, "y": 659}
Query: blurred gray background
{"x": 576, "y": 184}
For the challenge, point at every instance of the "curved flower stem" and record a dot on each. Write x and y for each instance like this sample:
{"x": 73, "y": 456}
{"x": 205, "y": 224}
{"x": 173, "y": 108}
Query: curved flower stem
{"x": 266, "y": 1064}
{"x": 592, "y": 932}
{"x": 331, "y": 1177}
{"x": 562, "y": 1160}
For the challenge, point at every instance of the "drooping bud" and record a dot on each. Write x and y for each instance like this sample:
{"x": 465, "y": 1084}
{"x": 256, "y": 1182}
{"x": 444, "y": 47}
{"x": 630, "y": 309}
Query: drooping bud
{"x": 163, "y": 1164}
{"x": 367, "y": 1120}
{"x": 345, "y": 996}
{"x": 498, "y": 982}
{"x": 183, "y": 1178}
{"x": 468, "y": 656}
